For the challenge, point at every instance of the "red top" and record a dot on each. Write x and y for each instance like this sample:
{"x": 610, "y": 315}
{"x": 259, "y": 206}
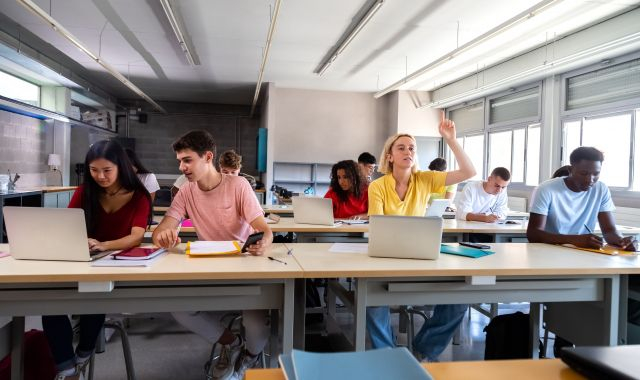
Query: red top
{"x": 353, "y": 206}
{"x": 116, "y": 225}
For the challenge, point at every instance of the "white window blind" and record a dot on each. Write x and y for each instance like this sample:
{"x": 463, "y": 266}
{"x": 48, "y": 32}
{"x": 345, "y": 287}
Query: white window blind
{"x": 520, "y": 106}
{"x": 603, "y": 86}
{"x": 469, "y": 118}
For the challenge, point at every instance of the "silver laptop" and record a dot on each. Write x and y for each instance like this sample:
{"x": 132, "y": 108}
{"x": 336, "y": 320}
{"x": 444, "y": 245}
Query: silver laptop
{"x": 312, "y": 210}
{"x": 405, "y": 237}
{"x": 37, "y": 233}
{"x": 437, "y": 207}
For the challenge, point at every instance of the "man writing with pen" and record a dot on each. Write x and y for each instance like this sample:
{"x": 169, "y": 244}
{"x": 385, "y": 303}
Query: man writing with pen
{"x": 485, "y": 201}
{"x": 565, "y": 210}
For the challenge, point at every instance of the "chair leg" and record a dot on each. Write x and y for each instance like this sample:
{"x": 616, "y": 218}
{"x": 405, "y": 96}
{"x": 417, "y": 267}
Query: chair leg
{"x": 126, "y": 347}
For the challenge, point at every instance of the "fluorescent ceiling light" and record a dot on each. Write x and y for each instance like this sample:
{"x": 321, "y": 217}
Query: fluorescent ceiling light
{"x": 30, "y": 5}
{"x": 505, "y": 26}
{"x": 177, "y": 27}
{"x": 373, "y": 8}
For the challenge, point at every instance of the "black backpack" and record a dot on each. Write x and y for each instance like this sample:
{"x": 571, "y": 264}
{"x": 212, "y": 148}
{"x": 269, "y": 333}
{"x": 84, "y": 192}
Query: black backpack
{"x": 508, "y": 337}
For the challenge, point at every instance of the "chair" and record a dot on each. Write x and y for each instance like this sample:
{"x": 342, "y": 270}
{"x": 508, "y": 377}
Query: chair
{"x": 163, "y": 197}
{"x": 126, "y": 348}
{"x": 406, "y": 321}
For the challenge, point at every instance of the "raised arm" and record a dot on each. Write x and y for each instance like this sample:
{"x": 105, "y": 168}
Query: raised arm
{"x": 447, "y": 129}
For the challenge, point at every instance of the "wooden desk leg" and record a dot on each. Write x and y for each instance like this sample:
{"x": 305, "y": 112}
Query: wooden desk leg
{"x": 17, "y": 348}
{"x": 361, "y": 313}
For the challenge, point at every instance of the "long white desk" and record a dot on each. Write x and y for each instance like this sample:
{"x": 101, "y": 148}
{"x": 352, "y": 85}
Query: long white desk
{"x": 173, "y": 283}
{"x": 517, "y": 272}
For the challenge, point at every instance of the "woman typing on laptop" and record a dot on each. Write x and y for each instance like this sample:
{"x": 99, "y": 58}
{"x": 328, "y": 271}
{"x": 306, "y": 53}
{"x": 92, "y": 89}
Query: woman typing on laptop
{"x": 348, "y": 191}
{"x": 117, "y": 210}
{"x": 404, "y": 190}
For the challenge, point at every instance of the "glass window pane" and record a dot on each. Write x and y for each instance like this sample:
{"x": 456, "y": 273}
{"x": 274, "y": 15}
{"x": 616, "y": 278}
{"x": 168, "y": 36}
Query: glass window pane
{"x": 571, "y": 139}
{"x": 18, "y": 89}
{"x": 636, "y": 155}
{"x": 474, "y": 147}
{"x": 533, "y": 156}
{"x": 499, "y": 150}
{"x": 517, "y": 170}
{"x": 612, "y": 135}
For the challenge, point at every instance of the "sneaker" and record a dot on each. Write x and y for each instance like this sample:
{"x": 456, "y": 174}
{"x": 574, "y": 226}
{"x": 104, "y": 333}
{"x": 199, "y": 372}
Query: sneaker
{"x": 224, "y": 366}
{"x": 245, "y": 362}
{"x": 76, "y": 376}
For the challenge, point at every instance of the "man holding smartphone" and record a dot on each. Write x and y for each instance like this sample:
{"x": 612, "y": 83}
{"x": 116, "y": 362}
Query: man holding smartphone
{"x": 222, "y": 207}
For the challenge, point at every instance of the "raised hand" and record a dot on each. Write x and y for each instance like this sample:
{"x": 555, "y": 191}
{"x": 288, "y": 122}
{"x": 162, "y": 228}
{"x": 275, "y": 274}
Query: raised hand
{"x": 447, "y": 128}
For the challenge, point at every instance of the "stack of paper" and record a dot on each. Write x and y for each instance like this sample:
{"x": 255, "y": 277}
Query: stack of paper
{"x": 108, "y": 261}
{"x": 385, "y": 363}
{"x": 213, "y": 248}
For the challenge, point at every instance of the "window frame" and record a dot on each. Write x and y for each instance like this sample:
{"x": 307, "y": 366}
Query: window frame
{"x": 39, "y": 87}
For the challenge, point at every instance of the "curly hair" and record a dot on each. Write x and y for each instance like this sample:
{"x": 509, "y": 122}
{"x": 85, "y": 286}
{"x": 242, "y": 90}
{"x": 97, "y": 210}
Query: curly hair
{"x": 230, "y": 159}
{"x": 351, "y": 171}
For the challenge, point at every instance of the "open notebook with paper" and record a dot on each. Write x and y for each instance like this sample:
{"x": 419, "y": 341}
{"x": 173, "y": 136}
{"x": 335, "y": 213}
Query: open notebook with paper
{"x": 607, "y": 249}
{"x": 213, "y": 248}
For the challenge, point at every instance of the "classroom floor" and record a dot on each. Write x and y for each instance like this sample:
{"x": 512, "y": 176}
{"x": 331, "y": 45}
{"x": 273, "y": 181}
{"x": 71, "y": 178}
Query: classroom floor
{"x": 163, "y": 350}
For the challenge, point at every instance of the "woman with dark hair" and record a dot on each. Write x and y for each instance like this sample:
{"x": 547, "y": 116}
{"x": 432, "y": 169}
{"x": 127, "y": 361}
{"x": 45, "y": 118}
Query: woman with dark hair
{"x": 147, "y": 178}
{"x": 348, "y": 191}
{"x": 440, "y": 165}
{"x": 117, "y": 209}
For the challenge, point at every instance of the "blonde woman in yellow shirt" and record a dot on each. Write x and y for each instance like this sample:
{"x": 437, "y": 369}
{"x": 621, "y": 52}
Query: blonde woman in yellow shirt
{"x": 404, "y": 190}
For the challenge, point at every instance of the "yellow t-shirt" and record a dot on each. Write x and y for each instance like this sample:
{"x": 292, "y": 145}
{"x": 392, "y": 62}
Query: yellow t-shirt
{"x": 448, "y": 189}
{"x": 383, "y": 199}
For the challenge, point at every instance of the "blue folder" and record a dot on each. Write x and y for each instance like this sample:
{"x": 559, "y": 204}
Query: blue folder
{"x": 382, "y": 364}
{"x": 464, "y": 251}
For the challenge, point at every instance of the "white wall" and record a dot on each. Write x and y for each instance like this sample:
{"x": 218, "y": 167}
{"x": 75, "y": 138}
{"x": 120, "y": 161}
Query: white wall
{"x": 414, "y": 120}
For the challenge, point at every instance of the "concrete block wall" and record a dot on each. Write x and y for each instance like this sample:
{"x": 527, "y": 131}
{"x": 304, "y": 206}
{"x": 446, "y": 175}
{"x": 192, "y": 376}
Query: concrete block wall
{"x": 24, "y": 144}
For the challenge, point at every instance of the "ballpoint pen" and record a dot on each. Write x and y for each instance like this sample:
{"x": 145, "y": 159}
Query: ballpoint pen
{"x": 274, "y": 259}
{"x": 592, "y": 234}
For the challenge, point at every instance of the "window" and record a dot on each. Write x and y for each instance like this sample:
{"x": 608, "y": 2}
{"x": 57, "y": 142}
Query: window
{"x": 612, "y": 134}
{"x": 518, "y": 150}
{"x": 474, "y": 147}
{"x": 636, "y": 156}
{"x": 533, "y": 155}
{"x": 17, "y": 89}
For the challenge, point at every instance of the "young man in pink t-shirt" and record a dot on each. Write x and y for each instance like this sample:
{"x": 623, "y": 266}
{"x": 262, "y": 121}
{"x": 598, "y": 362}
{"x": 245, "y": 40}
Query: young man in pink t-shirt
{"x": 221, "y": 207}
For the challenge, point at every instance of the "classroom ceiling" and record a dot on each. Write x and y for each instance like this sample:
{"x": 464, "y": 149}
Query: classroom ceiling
{"x": 229, "y": 37}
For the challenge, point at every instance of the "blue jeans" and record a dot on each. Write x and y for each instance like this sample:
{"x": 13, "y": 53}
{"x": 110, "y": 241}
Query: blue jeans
{"x": 430, "y": 341}
{"x": 59, "y": 333}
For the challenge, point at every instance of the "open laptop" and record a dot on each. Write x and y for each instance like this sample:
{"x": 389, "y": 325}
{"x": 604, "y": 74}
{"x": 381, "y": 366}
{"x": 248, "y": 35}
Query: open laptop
{"x": 612, "y": 363}
{"x": 437, "y": 207}
{"x": 37, "y": 233}
{"x": 405, "y": 237}
{"x": 312, "y": 210}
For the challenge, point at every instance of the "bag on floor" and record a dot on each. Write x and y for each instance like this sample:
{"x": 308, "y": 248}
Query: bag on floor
{"x": 508, "y": 337}
{"x": 38, "y": 361}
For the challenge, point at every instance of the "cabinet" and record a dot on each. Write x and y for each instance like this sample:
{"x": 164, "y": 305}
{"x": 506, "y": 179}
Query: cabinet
{"x": 299, "y": 176}
{"x": 17, "y": 198}
{"x": 58, "y": 199}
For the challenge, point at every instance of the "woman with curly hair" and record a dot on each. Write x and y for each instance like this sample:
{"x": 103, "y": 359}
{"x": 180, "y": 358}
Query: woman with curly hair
{"x": 348, "y": 191}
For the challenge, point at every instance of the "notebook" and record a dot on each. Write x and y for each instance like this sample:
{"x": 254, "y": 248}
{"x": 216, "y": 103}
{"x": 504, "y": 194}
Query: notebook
{"x": 138, "y": 253}
{"x": 312, "y": 210}
{"x": 464, "y": 251}
{"x": 385, "y": 363}
{"x": 437, "y": 207}
{"x": 213, "y": 248}
{"x": 406, "y": 237}
{"x": 611, "y": 250}
{"x": 611, "y": 363}
{"x": 38, "y": 233}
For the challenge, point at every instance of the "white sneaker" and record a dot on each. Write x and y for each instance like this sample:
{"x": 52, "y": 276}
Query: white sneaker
{"x": 224, "y": 366}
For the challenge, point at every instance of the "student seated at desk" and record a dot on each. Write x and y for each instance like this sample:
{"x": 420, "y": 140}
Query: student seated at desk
{"x": 222, "y": 207}
{"x": 231, "y": 163}
{"x": 485, "y": 201}
{"x": 117, "y": 209}
{"x": 403, "y": 190}
{"x": 440, "y": 165}
{"x": 367, "y": 166}
{"x": 348, "y": 191}
{"x": 147, "y": 178}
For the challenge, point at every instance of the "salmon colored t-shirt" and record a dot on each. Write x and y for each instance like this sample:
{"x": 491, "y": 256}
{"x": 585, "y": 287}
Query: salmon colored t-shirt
{"x": 223, "y": 213}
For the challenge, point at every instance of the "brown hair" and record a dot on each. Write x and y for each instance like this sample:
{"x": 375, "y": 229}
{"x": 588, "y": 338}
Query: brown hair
{"x": 230, "y": 159}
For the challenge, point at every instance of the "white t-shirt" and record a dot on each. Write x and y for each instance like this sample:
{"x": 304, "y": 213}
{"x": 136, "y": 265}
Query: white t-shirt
{"x": 473, "y": 199}
{"x": 150, "y": 182}
{"x": 180, "y": 181}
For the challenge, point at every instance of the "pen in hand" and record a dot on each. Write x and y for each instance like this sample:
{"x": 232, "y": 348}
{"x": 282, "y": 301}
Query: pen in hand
{"x": 274, "y": 259}
{"x": 594, "y": 235}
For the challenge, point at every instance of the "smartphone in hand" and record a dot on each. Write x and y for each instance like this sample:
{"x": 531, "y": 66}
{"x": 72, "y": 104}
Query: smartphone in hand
{"x": 252, "y": 239}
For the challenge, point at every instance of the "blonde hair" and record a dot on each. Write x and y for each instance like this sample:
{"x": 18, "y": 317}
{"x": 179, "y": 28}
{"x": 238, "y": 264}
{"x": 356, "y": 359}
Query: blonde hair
{"x": 231, "y": 160}
{"x": 386, "y": 167}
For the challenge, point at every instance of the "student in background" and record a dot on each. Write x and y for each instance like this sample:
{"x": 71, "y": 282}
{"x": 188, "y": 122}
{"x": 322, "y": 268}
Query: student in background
{"x": 348, "y": 191}
{"x": 403, "y": 190}
{"x": 179, "y": 182}
{"x": 485, "y": 201}
{"x": 231, "y": 162}
{"x": 117, "y": 209}
{"x": 222, "y": 207}
{"x": 440, "y": 164}
{"x": 367, "y": 165}
{"x": 563, "y": 171}
{"x": 147, "y": 178}
{"x": 563, "y": 209}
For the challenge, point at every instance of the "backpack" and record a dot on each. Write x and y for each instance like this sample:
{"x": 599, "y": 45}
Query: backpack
{"x": 38, "y": 361}
{"x": 508, "y": 337}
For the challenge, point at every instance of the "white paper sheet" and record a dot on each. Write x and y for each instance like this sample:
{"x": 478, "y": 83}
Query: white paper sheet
{"x": 108, "y": 261}
{"x": 212, "y": 247}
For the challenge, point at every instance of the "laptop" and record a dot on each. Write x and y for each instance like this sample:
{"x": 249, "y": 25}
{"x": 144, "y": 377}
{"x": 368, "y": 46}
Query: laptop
{"x": 612, "y": 363}
{"x": 38, "y": 233}
{"x": 437, "y": 207}
{"x": 405, "y": 237}
{"x": 312, "y": 210}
